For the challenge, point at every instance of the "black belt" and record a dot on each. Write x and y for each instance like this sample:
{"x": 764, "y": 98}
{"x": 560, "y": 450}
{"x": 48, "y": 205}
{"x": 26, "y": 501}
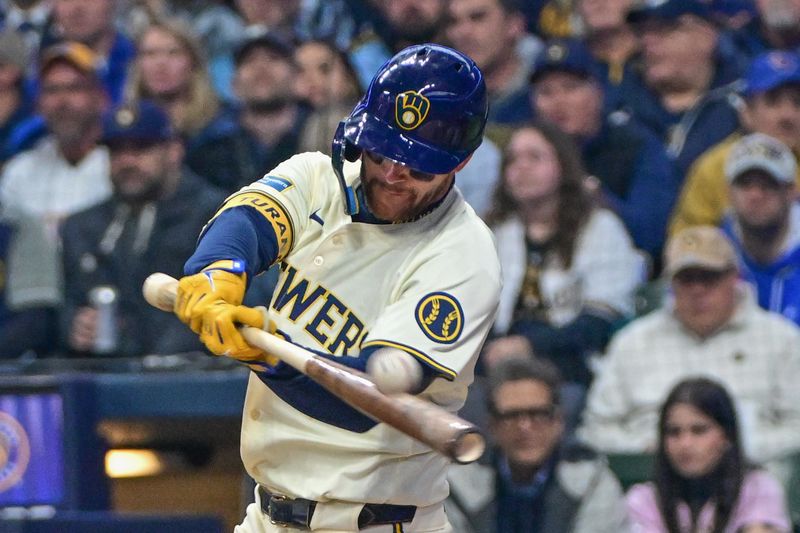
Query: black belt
{"x": 297, "y": 512}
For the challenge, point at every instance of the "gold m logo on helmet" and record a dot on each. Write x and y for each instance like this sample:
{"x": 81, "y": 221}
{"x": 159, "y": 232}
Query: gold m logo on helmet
{"x": 410, "y": 109}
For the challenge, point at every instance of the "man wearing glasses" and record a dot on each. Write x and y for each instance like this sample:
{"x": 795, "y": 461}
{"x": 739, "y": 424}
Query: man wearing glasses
{"x": 535, "y": 481}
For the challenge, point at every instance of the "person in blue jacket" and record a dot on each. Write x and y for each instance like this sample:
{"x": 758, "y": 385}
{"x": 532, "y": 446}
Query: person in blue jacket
{"x": 764, "y": 222}
{"x": 686, "y": 89}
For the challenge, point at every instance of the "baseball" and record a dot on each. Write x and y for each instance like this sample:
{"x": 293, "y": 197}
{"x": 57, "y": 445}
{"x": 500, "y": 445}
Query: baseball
{"x": 394, "y": 371}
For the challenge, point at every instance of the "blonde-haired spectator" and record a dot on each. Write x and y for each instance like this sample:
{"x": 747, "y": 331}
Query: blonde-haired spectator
{"x": 171, "y": 70}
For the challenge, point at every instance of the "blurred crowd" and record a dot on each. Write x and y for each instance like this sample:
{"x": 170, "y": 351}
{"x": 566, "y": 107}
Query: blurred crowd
{"x": 639, "y": 173}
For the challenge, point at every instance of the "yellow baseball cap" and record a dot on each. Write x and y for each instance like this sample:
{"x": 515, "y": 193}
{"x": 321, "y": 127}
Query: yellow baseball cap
{"x": 76, "y": 54}
{"x": 704, "y": 247}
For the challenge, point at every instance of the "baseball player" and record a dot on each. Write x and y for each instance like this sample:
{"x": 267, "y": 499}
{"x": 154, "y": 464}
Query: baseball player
{"x": 376, "y": 248}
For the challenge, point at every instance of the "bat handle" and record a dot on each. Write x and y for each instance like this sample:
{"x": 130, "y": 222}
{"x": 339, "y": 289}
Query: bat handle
{"x": 160, "y": 291}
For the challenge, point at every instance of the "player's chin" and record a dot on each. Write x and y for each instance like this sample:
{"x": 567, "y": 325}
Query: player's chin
{"x": 391, "y": 207}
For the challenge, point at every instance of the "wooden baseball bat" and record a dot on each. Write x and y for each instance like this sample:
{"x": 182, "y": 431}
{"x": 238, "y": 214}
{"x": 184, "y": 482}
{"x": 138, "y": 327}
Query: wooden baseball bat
{"x": 443, "y": 431}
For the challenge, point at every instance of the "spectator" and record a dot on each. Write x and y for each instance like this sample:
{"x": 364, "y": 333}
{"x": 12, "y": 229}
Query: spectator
{"x": 67, "y": 170}
{"x": 637, "y": 179}
{"x": 702, "y": 481}
{"x": 410, "y": 22}
{"x": 569, "y": 268}
{"x": 771, "y": 106}
{"x": 764, "y": 222}
{"x": 492, "y": 33}
{"x": 327, "y": 83}
{"x": 171, "y": 71}
{"x": 150, "y": 225}
{"x": 15, "y": 103}
{"x": 535, "y": 480}
{"x": 247, "y": 141}
{"x": 91, "y": 22}
{"x": 684, "y": 93}
{"x": 713, "y": 328}
{"x": 610, "y": 40}
{"x": 219, "y": 29}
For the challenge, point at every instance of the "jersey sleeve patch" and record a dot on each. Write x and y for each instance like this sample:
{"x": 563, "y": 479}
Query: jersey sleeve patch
{"x": 272, "y": 211}
{"x": 276, "y": 182}
{"x": 440, "y": 317}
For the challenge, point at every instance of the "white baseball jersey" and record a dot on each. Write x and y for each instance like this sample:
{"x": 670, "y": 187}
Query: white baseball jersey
{"x": 429, "y": 287}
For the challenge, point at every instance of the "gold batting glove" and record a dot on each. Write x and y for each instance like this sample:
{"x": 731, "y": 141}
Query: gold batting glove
{"x": 210, "y": 287}
{"x": 210, "y": 303}
{"x": 220, "y": 333}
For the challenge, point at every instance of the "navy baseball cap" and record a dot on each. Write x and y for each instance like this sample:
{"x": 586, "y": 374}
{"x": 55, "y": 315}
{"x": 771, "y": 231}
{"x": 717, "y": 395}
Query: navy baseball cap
{"x": 770, "y": 70}
{"x": 139, "y": 122}
{"x": 565, "y": 55}
{"x": 669, "y": 10}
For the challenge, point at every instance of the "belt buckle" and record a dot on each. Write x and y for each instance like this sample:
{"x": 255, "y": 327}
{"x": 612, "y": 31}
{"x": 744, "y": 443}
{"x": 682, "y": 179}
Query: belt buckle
{"x": 287, "y": 512}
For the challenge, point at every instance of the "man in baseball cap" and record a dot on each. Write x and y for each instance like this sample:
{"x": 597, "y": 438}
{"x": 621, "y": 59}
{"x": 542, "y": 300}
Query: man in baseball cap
{"x": 771, "y": 94}
{"x": 712, "y": 326}
{"x": 145, "y": 154}
{"x": 684, "y": 90}
{"x": 764, "y": 221}
{"x": 149, "y": 224}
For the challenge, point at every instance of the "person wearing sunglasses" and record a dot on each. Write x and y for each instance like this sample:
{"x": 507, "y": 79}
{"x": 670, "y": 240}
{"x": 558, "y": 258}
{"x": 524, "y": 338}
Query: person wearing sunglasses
{"x": 377, "y": 249}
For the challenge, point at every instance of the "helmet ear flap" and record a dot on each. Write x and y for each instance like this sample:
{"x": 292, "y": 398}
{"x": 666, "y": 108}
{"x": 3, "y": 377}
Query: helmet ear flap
{"x": 351, "y": 151}
{"x": 342, "y": 150}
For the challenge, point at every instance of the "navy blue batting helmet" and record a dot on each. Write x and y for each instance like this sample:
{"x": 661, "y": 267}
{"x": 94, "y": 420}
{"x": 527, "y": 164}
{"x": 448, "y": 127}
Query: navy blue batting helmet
{"x": 426, "y": 108}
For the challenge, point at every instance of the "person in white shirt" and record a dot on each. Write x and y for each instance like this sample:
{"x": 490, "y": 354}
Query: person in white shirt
{"x": 712, "y": 327}
{"x": 67, "y": 170}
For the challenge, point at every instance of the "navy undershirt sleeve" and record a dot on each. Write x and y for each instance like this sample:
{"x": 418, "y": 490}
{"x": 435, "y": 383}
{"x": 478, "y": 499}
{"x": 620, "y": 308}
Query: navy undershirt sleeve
{"x": 240, "y": 233}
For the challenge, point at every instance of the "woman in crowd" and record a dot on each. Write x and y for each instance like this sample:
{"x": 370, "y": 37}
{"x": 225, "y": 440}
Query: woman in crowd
{"x": 170, "y": 69}
{"x": 702, "y": 482}
{"x": 327, "y": 83}
{"x": 569, "y": 267}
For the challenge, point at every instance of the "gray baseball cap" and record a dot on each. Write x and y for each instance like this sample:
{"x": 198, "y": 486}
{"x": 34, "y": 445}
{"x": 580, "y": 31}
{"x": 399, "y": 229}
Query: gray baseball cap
{"x": 758, "y": 151}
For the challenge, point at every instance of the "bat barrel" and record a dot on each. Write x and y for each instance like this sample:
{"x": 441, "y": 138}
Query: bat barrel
{"x": 425, "y": 421}
{"x": 468, "y": 446}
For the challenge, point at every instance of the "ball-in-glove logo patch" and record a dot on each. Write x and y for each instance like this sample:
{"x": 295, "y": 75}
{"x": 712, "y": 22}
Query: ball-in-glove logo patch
{"x": 440, "y": 317}
{"x": 410, "y": 109}
{"x": 15, "y": 451}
